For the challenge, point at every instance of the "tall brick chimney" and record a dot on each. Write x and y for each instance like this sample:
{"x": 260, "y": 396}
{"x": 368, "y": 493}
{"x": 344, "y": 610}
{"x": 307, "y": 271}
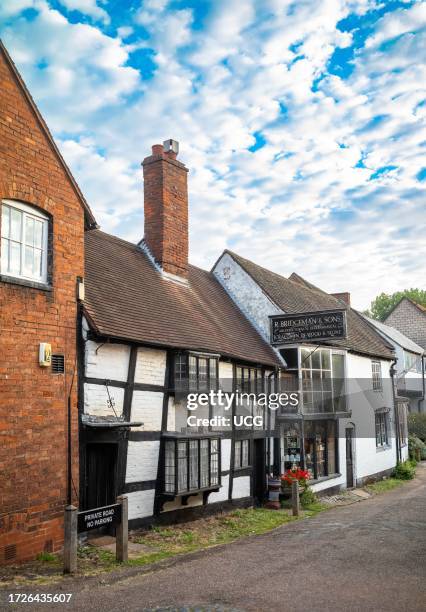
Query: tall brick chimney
{"x": 166, "y": 208}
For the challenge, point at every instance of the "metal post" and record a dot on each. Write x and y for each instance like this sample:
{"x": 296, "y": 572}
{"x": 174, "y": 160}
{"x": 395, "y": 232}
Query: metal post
{"x": 70, "y": 540}
{"x": 295, "y": 502}
{"x": 122, "y": 531}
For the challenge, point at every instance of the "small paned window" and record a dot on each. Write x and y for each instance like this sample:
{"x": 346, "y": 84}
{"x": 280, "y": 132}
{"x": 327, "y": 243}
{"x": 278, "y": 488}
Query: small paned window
{"x": 382, "y": 434}
{"x": 241, "y": 454}
{"x": 195, "y": 373}
{"x": 376, "y": 374}
{"x": 197, "y": 462}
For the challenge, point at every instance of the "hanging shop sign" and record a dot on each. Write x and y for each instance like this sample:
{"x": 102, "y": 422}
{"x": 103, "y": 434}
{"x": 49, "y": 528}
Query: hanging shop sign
{"x": 308, "y": 327}
{"x": 99, "y": 517}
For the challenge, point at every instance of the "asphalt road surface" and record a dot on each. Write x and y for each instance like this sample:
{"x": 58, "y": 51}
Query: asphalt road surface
{"x": 367, "y": 556}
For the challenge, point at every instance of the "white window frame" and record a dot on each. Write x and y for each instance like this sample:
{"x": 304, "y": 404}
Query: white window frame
{"x": 376, "y": 375}
{"x": 27, "y": 212}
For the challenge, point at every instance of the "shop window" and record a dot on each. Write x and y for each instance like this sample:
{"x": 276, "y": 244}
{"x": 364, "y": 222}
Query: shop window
{"x": 321, "y": 448}
{"x": 24, "y": 242}
{"x": 323, "y": 381}
{"x": 291, "y": 450}
{"x": 196, "y": 373}
{"x": 241, "y": 454}
{"x": 382, "y": 433}
{"x": 191, "y": 465}
{"x": 376, "y": 373}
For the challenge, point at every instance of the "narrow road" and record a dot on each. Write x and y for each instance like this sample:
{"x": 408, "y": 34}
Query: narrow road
{"x": 367, "y": 556}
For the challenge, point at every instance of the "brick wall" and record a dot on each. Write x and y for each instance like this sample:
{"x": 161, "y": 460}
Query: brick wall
{"x": 33, "y": 401}
{"x": 409, "y": 320}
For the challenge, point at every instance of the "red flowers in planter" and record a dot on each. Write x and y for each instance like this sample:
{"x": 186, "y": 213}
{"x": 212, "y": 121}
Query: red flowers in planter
{"x": 295, "y": 474}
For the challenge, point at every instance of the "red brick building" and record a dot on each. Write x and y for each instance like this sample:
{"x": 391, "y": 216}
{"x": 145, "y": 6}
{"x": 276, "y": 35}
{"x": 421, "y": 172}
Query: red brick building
{"x": 43, "y": 216}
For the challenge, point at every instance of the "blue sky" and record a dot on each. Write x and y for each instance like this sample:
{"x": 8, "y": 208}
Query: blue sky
{"x": 302, "y": 123}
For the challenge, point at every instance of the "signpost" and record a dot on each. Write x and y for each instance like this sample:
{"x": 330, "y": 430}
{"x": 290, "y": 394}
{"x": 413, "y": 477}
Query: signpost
{"x": 308, "y": 327}
{"x": 77, "y": 522}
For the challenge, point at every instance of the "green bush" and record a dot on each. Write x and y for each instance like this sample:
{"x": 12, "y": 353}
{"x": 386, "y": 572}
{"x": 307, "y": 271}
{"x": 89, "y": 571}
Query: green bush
{"x": 308, "y": 497}
{"x": 416, "y": 445}
{"x": 405, "y": 471}
{"x": 417, "y": 425}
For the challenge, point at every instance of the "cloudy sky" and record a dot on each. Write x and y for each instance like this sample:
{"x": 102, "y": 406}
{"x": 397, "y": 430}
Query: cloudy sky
{"x": 303, "y": 123}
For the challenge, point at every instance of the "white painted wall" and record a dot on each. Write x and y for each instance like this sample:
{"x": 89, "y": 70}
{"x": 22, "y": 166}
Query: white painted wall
{"x": 142, "y": 460}
{"x": 150, "y": 366}
{"x": 147, "y": 406}
{"x": 141, "y": 504}
{"x": 96, "y": 397}
{"x": 110, "y": 361}
{"x": 226, "y": 454}
{"x": 249, "y": 297}
{"x": 222, "y": 494}
{"x": 241, "y": 487}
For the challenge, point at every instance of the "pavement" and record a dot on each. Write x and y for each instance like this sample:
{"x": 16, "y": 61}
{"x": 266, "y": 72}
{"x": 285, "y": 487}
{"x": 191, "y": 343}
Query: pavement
{"x": 365, "y": 556}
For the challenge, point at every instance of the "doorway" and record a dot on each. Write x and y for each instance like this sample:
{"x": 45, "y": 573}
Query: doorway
{"x": 350, "y": 481}
{"x": 259, "y": 470}
{"x": 101, "y": 474}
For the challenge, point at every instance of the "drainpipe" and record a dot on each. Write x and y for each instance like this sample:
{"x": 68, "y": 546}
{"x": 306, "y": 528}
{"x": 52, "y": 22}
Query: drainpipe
{"x": 392, "y": 372}
{"x": 274, "y": 373}
{"x": 421, "y": 399}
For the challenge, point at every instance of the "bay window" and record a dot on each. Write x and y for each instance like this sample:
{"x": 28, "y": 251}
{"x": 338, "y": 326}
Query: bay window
{"x": 191, "y": 464}
{"x": 24, "y": 240}
{"x": 320, "y": 441}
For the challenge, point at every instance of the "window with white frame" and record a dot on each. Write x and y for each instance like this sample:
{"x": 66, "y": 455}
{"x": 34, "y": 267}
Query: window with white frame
{"x": 24, "y": 236}
{"x": 323, "y": 380}
{"x": 376, "y": 374}
{"x": 382, "y": 433}
{"x": 241, "y": 454}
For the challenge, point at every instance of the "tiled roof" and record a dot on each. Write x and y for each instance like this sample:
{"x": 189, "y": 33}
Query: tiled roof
{"x": 128, "y": 299}
{"x": 396, "y": 336}
{"x": 296, "y": 295}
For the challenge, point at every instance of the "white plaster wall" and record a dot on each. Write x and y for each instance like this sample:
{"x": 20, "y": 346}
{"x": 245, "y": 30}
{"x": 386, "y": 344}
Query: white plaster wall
{"x": 222, "y": 494}
{"x": 150, "y": 366}
{"x": 110, "y": 361}
{"x": 369, "y": 459}
{"x": 251, "y": 300}
{"x": 241, "y": 487}
{"x": 147, "y": 406}
{"x": 96, "y": 397}
{"x": 142, "y": 460}
{"x": 226, "y": 454}
{"x": 141, "y": 504}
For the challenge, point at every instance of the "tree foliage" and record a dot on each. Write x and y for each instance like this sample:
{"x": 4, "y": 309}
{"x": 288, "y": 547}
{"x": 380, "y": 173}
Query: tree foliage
{"x": 383, "y": 303}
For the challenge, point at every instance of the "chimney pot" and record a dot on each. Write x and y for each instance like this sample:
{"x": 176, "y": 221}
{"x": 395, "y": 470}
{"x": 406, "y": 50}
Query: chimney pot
{"x": 157, "y": 149}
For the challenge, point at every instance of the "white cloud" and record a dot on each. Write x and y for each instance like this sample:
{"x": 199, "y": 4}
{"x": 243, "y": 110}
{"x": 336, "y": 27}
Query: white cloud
{"x": 307, "y": 200}
{"x": 87, "y": 7}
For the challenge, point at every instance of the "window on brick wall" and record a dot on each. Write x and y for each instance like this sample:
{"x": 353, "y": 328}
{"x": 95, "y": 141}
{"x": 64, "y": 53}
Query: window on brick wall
{"x": 191, "y": 464}
{"x": 24, "y": 242}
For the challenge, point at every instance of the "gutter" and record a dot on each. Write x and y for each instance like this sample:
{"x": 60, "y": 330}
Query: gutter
{"x": 392, "y": 371}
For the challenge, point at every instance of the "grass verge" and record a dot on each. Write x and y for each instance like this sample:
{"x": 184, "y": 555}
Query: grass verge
{"x": 382, "y": 486}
